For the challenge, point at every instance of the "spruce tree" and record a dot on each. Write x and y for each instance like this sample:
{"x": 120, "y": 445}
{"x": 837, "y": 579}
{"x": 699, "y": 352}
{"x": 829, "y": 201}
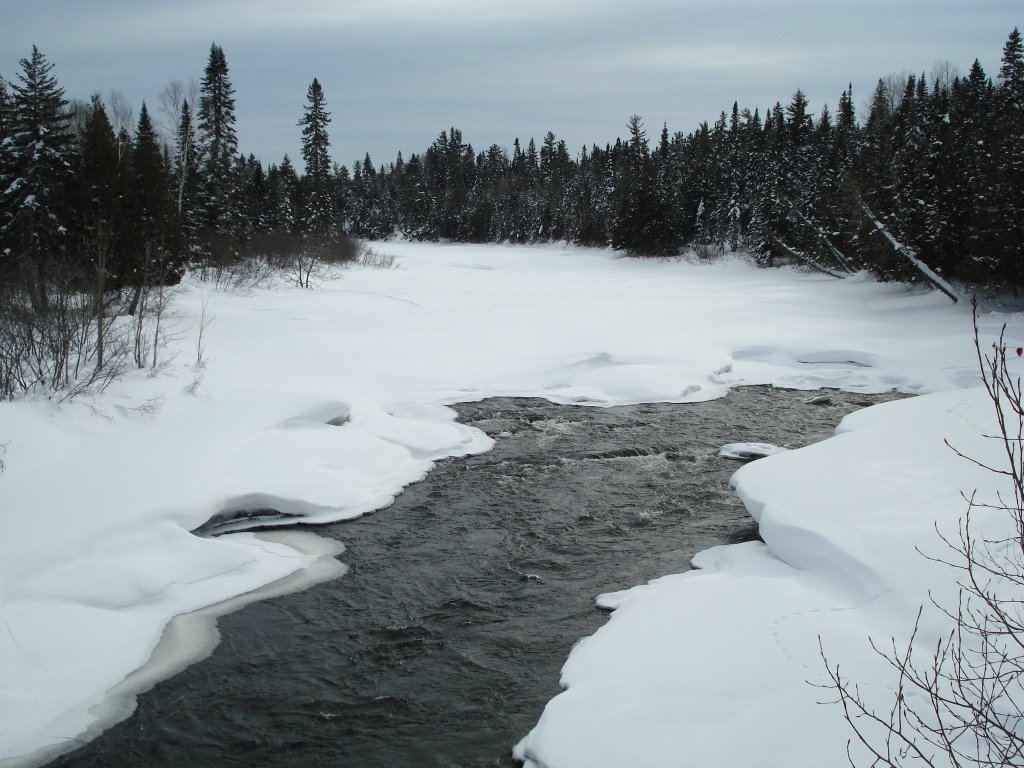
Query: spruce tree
{"x": 146, "y": 259}
{"x": 318, "y": 204}
{"x": 800, "y": 160}
{"x": 33, "y": 219}
{"x": 150, "y": 181}
{"x": 287, "y": 214}
{"x": 1010, "y": 164}
{"x": 98, "y": 195}
{"x": 98, "y": 165}
{"x": 1011, "y": 71}
{"x": 635, "y": 204}
{"x": 6, "y": 112}
{"x": 972, "y": 104}
{"x": 185, "y": 169}
{"x": 218, "y": 144}
{"x": 258, "y": 197}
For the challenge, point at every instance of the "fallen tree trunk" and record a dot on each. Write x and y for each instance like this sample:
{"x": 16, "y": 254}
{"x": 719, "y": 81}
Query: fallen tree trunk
{"x": 930, "y": 275}
{"x": 820, "y": 234}
{"x": 803, "y": 258}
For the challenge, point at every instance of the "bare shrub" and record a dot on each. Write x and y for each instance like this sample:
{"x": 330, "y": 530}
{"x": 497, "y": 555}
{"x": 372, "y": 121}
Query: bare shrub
{"x": 369, "y": 257}
{"x": 199, "y": 368}
{"x": 64, "y": 350}
{"x": 232, "y": 266}
{"x": 153, "y": 328}
{"x": 962, "y": 703}
{"x": 303, "y": 259}
{"x": 709, "y": 251}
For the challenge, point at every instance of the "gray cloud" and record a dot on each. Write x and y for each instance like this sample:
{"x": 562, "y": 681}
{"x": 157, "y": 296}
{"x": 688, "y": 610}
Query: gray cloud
{"x": 397, "y": 72}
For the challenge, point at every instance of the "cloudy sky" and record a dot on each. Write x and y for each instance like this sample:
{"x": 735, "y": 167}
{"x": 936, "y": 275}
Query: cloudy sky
{"x": 397, "y": 72}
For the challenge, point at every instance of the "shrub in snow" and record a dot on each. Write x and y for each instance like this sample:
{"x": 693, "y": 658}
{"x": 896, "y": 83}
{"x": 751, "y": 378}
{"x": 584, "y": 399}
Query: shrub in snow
{"x": 960, "y": 702}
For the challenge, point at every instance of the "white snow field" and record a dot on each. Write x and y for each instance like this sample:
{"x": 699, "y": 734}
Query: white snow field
{"x": 325, "y": 403}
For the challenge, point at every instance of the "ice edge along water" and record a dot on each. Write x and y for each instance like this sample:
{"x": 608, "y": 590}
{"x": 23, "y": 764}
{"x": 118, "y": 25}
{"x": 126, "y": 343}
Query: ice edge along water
{"x": 326, "y": 403}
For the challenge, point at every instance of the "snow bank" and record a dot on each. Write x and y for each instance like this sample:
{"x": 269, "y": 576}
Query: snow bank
{"x": 322, "y": 405}
{"x": 718, "y": 666}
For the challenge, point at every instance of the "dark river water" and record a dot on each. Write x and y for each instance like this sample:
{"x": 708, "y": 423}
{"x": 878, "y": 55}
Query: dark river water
{"x": 443, "y": 643}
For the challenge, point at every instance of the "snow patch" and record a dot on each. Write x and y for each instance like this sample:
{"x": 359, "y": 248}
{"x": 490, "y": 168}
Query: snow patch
{"x": 748, "y": 451}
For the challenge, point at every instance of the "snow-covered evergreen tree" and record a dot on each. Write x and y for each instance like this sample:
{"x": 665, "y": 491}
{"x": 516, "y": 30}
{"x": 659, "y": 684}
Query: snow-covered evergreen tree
{"x": 318, "y": 215}
{"x": 37, "y": 170}
{"x": 185, "y": 169}
{"x": 150, "y": 179}
{"x": 218, "y": 145}
{"x": 1009, "y": 186}
{"x": 6, "y": 111}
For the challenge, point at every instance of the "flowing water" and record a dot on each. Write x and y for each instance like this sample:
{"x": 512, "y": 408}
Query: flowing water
{"x": 442, "y": 644}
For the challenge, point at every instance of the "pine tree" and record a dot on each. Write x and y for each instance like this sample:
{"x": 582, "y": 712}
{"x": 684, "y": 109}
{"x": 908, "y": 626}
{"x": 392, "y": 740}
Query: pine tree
{"x": 37, "y": 171}
{"x": 318, "y": 204}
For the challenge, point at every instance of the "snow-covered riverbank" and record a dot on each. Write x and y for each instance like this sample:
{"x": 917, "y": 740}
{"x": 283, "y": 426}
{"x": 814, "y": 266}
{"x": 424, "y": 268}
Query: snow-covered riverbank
{"x": 326, "y": 403}
{"x": 689, "y": 661}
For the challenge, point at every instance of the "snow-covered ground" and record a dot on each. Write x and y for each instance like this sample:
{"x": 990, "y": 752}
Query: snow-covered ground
{"x": 325, "y": 403}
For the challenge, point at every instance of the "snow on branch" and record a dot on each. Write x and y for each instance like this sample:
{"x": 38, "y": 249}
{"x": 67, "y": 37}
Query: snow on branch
{"x": 908, "y": 253}
{"x": 803, "y": 258}
{"x": 824, "y": 238}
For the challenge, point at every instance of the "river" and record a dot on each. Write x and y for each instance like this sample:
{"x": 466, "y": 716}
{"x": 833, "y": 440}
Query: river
{"x": 444, "y": 641}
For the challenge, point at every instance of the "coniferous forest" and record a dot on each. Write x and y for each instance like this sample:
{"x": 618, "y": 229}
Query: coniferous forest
{"x": 100, "y": 210}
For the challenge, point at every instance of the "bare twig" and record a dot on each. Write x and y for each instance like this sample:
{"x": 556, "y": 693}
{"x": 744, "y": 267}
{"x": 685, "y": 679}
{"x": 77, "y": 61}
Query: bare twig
{"x": 965, "y": 706}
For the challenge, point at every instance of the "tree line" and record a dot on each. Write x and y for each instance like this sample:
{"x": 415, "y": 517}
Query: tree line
{"x": 938, "y": 163}
{"x": 933, "y": 172}
{"x": 926, "y": 184}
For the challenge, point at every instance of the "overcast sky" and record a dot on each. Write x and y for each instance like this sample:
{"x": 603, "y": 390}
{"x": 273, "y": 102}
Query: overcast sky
{"x": 397, "y": 72}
